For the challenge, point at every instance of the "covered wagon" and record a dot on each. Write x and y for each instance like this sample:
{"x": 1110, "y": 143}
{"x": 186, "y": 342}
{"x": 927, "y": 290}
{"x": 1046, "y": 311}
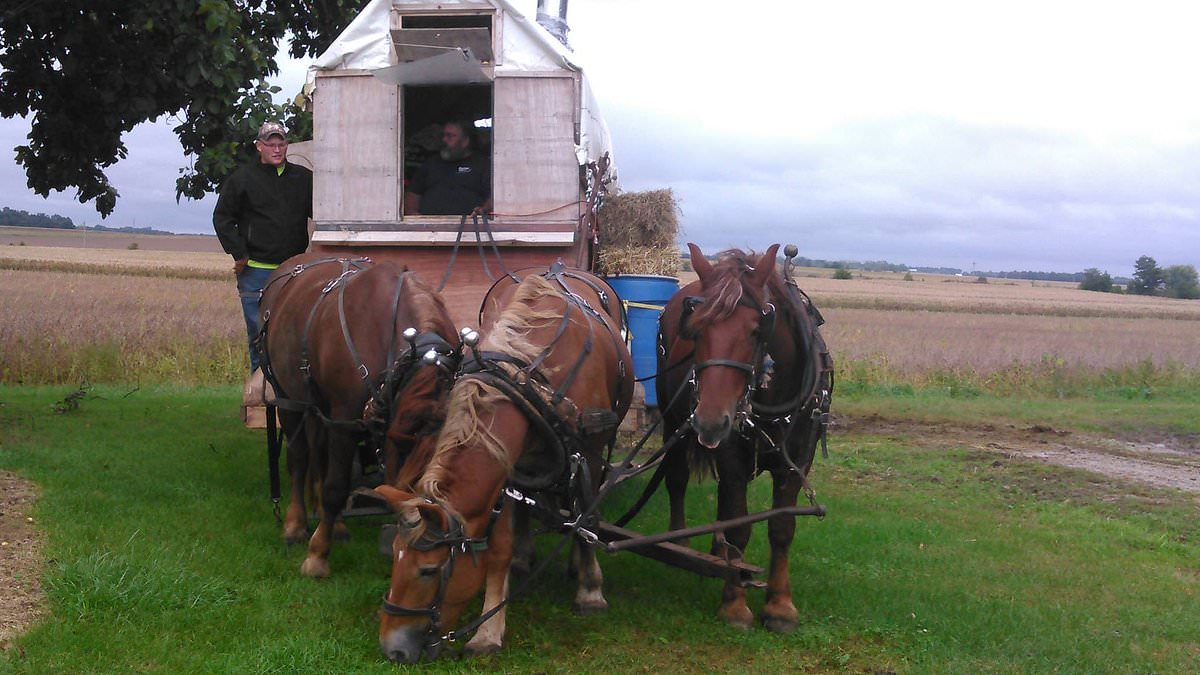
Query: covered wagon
{"x": 380, "y": 94}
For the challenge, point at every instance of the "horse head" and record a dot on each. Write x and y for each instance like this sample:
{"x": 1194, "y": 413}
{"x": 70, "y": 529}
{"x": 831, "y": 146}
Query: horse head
{"x": 437, "y": 568}
{"x": 550, "y": 359}
{"x": 730, "y": 322}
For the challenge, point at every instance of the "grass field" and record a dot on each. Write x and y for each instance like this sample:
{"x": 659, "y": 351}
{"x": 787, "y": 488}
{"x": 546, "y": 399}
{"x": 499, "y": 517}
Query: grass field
{"x": 940, "y": 554}
{"x": 164, "y": 557}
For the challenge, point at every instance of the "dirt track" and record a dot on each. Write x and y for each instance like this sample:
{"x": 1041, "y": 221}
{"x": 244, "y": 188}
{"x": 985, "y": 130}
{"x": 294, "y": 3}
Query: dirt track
{"x": 20, "y": 558}
{"x": 1167, "y": 461}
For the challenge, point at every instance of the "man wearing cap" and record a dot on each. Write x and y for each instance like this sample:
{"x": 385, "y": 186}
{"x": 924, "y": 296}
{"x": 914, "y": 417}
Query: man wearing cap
{"x": 261, "y": 219}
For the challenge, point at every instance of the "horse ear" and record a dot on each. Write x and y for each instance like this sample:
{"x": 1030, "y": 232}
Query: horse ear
{"x": 700, "y": 264}
{"x": 766, "y": 264}
{"x": 392, "y": 496}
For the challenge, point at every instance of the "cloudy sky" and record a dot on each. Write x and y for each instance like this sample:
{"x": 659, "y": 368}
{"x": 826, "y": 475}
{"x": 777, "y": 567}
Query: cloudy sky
{"x": 1047, "y": 135}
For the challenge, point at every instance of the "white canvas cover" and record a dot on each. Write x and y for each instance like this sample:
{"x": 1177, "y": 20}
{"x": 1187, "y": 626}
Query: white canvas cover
{"x": 526, "y": 47}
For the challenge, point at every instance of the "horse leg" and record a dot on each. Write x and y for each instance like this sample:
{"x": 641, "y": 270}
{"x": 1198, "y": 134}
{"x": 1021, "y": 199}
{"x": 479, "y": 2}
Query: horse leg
{"x": 779, "y": 613}
{"x": 589, "y": 597}
{"x": 522, "y": 560}
{"x": 731, "y": 544}
{"x": 499, "y": 558}
{"x": 676, "y": 474}
{"x": 335, "y": 490}
{"x": 295, "y": 520}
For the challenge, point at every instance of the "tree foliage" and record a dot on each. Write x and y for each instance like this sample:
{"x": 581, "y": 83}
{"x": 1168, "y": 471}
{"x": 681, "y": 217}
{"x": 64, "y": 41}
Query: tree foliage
{"x": 88, "y": 71}
{"x": 1147, "y": 277}
{"x": 1095, "y": 280}
{"x": 1181, "y": 282}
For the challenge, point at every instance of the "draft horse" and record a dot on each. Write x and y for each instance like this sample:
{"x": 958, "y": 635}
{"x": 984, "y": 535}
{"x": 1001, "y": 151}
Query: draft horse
{"x": 530, "y": 415}
{"x": 745, "y": 374}
{"x": 360, "y": 355}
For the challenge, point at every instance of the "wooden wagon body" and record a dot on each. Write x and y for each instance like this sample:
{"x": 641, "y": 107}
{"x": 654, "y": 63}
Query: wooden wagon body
{"x": 381, "y": 91}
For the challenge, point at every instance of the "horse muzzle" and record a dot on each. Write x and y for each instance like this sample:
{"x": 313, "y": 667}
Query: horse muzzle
{"x": 711, "y": 432}
{"x": 408, "y": 645}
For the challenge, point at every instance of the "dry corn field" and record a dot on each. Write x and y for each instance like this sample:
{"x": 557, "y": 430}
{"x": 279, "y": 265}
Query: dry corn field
{"x": 64, "y": 327}
{"x": 73, "y": 314}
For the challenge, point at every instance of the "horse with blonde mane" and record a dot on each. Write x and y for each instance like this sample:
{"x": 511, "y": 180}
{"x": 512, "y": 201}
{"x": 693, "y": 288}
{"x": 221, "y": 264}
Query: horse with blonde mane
{"x": 534, "y": 411}
{"x": 746, "y": 379}
{"x": 361, "y": 356}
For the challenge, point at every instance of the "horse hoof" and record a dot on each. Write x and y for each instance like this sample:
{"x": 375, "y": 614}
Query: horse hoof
{"x": 341, "y": 534}
{"x": 315, "y": 568}
{"x": 293, "y": 538}
{"x": 590, "y": 608}
{"x": 482, "y": 648}
{"x": 737, "y": 617}
{"x": 779, "y": 624}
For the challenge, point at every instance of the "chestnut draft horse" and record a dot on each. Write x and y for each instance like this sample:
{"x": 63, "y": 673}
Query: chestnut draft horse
{"x": 534, "y": 410}
{"x": 742, "y": 362}
{"x": 359, "y": 354}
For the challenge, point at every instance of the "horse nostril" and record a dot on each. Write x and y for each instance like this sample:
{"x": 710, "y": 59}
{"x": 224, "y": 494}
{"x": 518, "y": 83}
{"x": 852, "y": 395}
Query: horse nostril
{"x": 402, "y": 656}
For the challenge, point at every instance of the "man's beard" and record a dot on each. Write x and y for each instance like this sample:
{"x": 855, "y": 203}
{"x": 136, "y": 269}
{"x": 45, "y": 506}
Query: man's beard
{"x": 455, "y": 154}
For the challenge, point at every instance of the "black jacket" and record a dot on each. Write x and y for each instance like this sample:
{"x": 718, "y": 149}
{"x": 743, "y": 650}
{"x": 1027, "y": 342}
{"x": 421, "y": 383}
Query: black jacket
{"x": 263, "y": 215}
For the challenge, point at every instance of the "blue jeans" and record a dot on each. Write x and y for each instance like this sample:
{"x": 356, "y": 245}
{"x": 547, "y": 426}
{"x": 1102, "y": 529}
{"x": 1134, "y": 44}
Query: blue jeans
{"x": 250, "y": 285}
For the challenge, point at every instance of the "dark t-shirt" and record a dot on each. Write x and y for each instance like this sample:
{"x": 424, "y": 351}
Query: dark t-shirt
{"x": 452, "y": 188}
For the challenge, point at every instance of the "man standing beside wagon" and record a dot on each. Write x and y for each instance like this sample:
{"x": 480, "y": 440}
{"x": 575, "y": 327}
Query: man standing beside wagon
{"x": 262, "y": 218}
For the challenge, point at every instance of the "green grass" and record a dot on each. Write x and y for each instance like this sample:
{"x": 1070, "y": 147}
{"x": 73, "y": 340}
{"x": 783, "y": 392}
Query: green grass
{"x": 164, "y": 557}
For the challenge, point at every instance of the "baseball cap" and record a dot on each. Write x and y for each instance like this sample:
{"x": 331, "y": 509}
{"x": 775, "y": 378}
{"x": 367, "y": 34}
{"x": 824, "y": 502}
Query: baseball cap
{"x": 269, "y": 129}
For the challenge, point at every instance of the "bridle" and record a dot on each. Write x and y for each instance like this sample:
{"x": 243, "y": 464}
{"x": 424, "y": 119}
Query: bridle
{"x": 456, "y": 541}
{"x": 753, "y": 369}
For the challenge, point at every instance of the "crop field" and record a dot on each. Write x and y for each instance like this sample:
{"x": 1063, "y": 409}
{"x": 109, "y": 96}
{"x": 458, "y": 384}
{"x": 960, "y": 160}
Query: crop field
{"x": 1012, "y": 487}
{"x": 167, "y": 312}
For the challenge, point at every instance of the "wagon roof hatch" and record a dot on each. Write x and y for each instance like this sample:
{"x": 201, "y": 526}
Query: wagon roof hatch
{"x": 454, "y": 65}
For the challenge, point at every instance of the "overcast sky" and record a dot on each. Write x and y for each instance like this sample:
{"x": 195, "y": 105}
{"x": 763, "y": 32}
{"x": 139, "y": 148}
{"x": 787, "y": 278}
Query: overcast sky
{"x": 1045, "y": 135}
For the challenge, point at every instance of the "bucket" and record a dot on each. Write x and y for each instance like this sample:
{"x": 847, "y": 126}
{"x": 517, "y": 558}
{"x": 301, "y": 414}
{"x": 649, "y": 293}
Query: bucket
{"x": 644, "y": 297}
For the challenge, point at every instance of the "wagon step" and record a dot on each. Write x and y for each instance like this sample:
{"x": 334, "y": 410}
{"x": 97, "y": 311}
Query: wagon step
{"x": 685, "y": 558}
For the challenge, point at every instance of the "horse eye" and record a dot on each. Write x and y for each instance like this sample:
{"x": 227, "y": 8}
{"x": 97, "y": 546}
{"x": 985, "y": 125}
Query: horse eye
{"x": 427, "y": 571}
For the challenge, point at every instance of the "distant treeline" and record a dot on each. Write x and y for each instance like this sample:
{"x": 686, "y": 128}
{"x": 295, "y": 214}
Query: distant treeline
{"x": 1073, "y": 277}
{"x": 18, "y": 218}
{"x": 128, "y": 230}
{"x": 885, "y": 266}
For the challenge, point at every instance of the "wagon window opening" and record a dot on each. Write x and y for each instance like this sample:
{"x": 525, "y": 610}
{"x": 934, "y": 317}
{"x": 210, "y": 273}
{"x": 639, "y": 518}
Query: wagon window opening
{"x": 427, "y": 108}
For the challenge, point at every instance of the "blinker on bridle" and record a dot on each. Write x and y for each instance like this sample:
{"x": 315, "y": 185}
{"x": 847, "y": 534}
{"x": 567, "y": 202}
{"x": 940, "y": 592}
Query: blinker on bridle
{"x": 456, "y": 541}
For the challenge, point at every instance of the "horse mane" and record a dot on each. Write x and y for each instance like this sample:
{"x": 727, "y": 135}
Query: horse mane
{"x": 418, "y": 415}
{"x": 429, "y": 309}
{"x": 724, "y": 288}
{"x": 472, "y": 399}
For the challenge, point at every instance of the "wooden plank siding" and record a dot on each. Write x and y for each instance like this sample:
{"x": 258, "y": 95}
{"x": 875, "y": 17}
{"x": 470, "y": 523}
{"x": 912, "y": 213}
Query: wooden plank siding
{"x": 535, "y": 173}
{"x": 356, "y": 122}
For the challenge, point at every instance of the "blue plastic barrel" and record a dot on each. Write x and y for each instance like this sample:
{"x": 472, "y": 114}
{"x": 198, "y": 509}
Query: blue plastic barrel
{"x": 644, "y": 296}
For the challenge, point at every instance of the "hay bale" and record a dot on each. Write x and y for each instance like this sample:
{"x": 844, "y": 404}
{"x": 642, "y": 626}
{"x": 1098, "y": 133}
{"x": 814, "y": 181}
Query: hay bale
{"x": 649, "y": 218}
{"x": 658, "y": 260}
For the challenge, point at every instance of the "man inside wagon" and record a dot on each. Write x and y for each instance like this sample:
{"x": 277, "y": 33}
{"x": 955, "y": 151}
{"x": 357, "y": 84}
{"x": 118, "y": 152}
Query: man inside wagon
{"x": 455, "y": 182}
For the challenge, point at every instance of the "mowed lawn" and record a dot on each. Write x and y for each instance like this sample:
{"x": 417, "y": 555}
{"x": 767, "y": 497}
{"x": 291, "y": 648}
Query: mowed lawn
{"x": 163, "y": 556}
